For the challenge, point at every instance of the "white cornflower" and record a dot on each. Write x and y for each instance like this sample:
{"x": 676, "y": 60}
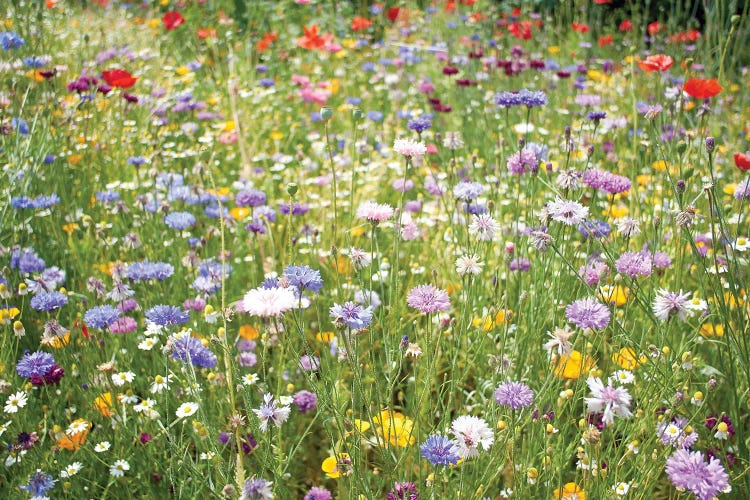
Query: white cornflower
{"x": 469, "y": 265}
{"x": 667, "y": 304}
{"x": 483, "y": 226}
{"x": 409, "y": 147}
{"x": 471, "y": 433}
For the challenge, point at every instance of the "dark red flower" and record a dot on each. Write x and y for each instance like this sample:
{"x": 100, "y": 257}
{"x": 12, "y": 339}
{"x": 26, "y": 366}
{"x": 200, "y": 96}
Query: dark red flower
{"x": 702, "y": 89}
{"x": 173, "y": 20}
{"x": 742, "y": 161}
{"x": 119, "y": 78}
{"x": 392, "y": 13}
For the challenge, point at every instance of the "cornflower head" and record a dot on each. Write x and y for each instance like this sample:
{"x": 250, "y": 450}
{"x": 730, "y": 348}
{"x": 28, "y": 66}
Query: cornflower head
{"x": 351, "y": 314}
{"x": 271, "y": 410}
{"x": 303, "y": 277}
{"x": 409, "y": 148}
{"x": 689, "y": 471}
{"x": 668, "y": 304}
{"x": 439, "y": 450}
{"x": 515, "y": 395}
{"x": 612, "y": 401}
{"x": 428, "y": 299}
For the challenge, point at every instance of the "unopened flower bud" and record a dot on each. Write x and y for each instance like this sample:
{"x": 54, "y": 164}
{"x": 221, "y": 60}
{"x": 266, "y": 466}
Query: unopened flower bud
{"x": 326, "y": 113}
{"x": 710, "y": 144}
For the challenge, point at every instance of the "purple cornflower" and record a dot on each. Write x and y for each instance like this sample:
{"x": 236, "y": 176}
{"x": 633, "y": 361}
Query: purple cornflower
{"x": 189, "y": 348}
{"x": 257, "y": 488}
{"x": 304, "y": 277}
{"x": 39, "y": 484}
{"x": 317, "y": 493}
{"x": 126, "y": 324}
{"x": 606, "y": 181}
{"x": 420, "y": 124}
{"x": 305, "y": 401}
{"x": 667, "y": 304}
{"x": 296, "y": 208}
{"x": 594, "y": 228}
{"x": 588, "y": 313}
{"x": 507, "y": 99}
{"x": 515, "y": 395}
{"x": 179, "y": 220}
{"x": 250, "y": 198}
{"x": 26, "y": 261}
{"x": 612, "y": 401}
{"x": 48, "y": 301}
{"x": 742, "y": 190}
{"x": 107, "y": 196}
{"x": 351, "y": 314}
{"x": 428, "y": 299}
{"x": 593, "y": 272}
{"x": 522, "y": 162}
{"x": 521, "y": 264}
{"x": 689, "y": 471}
{"x": 146, "y": 270}
{"x": 101, "y": 316}
{"x": 271, "y": 411}
{"x": 35, "y": 364}
{"x": 673, "y": 433}
{"x": 634, "y": 264}
{"x": 568, "y": 212}
{"x": 164, "y": 315}
{"x": 439, "y": 450}
{"x": 468, "y": 191}
{"x": 532, "y": 98}
{"x": 596, "y": 116}
{"x": 403, "y": 491}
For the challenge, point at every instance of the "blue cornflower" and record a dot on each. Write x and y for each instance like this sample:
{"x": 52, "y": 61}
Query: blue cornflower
{"x": 136, "y": 161}
{"x": 250, "y": 198}
{"x": 35, "y": 62}
{"x": 101, "y": 316}
{"x": 297, "y": 208}
{"x": 507, "y": 99}
{"x": 167, "y": 315}
{"x": 146, "y": 270}
{"x": 439, "y": 450}
{"x": 596, "y": 228}
{"x": 48, "y": 301}
{"x": 420, "y": 124}
{"x": 596, "y": 116}
{"x": 375, "y": 116}
{"x": 191, "y": 349}
{"x": 11, "y": 40}
{"x": 39, "y": 484}
{"x": 532, "y": 98}
{"x": 352, "y": 315}
{"x": 35, "y": 364}
{"x": 179, "y": 220}
{"x": 468, "y": 191}
{"x": 266, "y": 82}
{"x": 515, "y": 395}
{"x": 213, "y": 211}
{"x": 44, "y": 201}
{"x": 21, "y": 202}
{"x": 26, "y": 261}
{"x": 304, "y": 277}
{"x": 107, "y": 196}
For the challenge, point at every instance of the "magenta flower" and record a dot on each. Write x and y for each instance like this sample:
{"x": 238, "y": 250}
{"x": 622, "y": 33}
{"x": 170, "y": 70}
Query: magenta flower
{"x": 428, "y": 299}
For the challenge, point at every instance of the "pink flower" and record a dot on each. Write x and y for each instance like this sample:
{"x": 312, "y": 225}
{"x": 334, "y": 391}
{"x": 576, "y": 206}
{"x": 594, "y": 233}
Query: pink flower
{"x": 374, "y": 212}
{"x": 317, "y": 96}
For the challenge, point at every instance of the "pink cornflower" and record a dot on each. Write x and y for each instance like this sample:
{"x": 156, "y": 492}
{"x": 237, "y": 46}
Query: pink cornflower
{"x": 568, "y": 212}
{"x": 374, "y": 212}
{"x": 409, "y": 148}
{"x": 428, "y": 299}
{"x": 612, "y": 401}
{"x": 268, "y": 302}
{"x": 668, "y": 304}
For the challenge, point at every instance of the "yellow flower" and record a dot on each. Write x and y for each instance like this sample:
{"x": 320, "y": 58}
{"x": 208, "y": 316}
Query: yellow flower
{"x": 571, "y": 491}
{"x": 7, "y": 314}
{"x": 553, "y": 49}
{"x": 324, "y": 336}
{"x": 335, "y": 466}
{"x": 248, "y": 332}
{"x": 239, "y": 213}
{"x": 58, "y": 342}
{"x": 617, "y": 295}
{"x": 395, "y": 428}
{"x": 276, "y": 135}
{"x": 182, "y": 70}
{"x": 711, "y": 330}
{"x": 573, "y": 365}
{"x": 660, "y": 165}
{"x": 627, "y": 359}
{"x": 104, "y": 404}
{"x": 357, "y": 231}
{"x": 75, "y": 159}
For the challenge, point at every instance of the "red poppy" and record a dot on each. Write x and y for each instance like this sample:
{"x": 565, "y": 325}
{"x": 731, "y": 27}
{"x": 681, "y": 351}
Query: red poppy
{"x": 653, "y": 28}
{"x": 468, "y": 2}
{"x": 82, "y": 326}
{"x": 119, "y": 78}
{"x": 450, "y": 6}
{"x": 605, "y": 40}
{"x": 360, "y": 23}
{"x": 266, "y": 41}
{"x": 580, "y": 27}
{"x": 204, "y": 33}
{"x": 658, "y": 62}
{"x": 173, "y": 20}
{"x": 684, "y": 37}
{"x": 392, "y": 13}
{"x": 520, "y": 30}
{"x": 702, "y": 89}
{"x": 312, "y": 40}
{"x": 626, "y": 25}
{"x": 742, "y": 161}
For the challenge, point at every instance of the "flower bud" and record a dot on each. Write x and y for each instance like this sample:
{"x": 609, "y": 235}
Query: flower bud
{"x": 326, "y": 113}
{"x": 710, "y": 144}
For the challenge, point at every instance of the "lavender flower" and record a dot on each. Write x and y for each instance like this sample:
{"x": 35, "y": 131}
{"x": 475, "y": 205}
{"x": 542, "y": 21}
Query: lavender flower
{"x": 667, "y": 304}
{"x": 145, "y": 270}
{"x": 101, "y": 316}
{"x": 305, "y": 400}
{"x": 606, "y": 181}
{"x": 508, "y": 99}
{"x": 189, "y": 349}
{"x": 522, "y": 162}
{"x": 515, "y": 395}
{"x": 468, "y": 191}
{"x": 317, "y": 493}
{"x": 428, "y": 299}
{"x": 271, "y": 411}
{"x": 531, "y": 98}
{"x": 673, "y": 433}
{"x": 612, "y": 401}
{"x": 351, "y": 314}
{"x": 304, "y": 277}
{"x": 179, "y": 220}
{"x": 39, "y": 484}
{"x": 689, "y": 471}
{"x": 634, "y": 264}
{"x": 588, "y": 313}
{"x": 36, "y": 364}
{"x": 257, "y": 488}
{"x": 250, "y": 198}
{"x": 439, "y": 450}
{"x": 48, "y": 301}
{"x": 164, "y": 315}
{"x": 403, "y": 491}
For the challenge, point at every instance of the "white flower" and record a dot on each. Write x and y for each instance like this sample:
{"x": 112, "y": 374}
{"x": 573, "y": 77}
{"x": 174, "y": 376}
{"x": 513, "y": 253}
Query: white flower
{"x": 624, "y": 377}
{"x": 77, "y": 426}
{"x": 71, "y": 470}
{"x": 153, "y": 329}
{"x": 409, "y": 148}
{"x": 186, "y": 409}
{"x": 741, "y": 244}
{"x": 120, "y": 378}
{"x": 667, "y": 304}
{"x": 267, "y": 302}
{"x": 207, "y": 455}
{"x": 16, "y": 401}
{"x": 250, "y": 379}
{"x": 102, "y": 447}
{"x": 119, "y": 468}
{"x": 470, "y": 434}
{"x": 621, "y": 489}
{"x": 483, "y": 226}
{"x": 469, "y": 265}
{"x": 612, "y": 401}
{"x": 145, "y": 406}
{"x": 4, "y": 427}
{"x": 160, "y": 383}
{"x": 147, "y": 344}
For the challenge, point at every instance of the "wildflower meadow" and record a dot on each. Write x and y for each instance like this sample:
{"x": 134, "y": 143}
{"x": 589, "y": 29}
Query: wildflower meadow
{"x": 313, "y": 249}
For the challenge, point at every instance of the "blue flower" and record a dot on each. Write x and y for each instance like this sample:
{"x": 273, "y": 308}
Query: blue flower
{"x": 532, "y": 98}
{"x": 39, "y": 484}
{"x": 507, "y": 99}
{"x": 26, "y": 261}
{"x": 101, "y": 316}
{"x": 439, "y": 450}
{"x": 179, "y": 220}
{"x": 146, "y": 270}
{"x": 167, "y": 315}
{"x": 250, "y": 198}
{"x": 107, "y": 196}
{"x": 304, "y": 277}
{"x": 352, "y": 315}
{"x": 10, "y": 40}
{"x": 191, "y": 349}
{"x": 48, "y": 301}
{"x": 35, "y": 364}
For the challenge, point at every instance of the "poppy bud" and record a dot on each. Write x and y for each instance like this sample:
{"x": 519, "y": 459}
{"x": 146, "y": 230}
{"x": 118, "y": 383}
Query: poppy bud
{"x": 357, "y": 114}
{"x": 326, "y": 112}
{"x": 292, "y": 188}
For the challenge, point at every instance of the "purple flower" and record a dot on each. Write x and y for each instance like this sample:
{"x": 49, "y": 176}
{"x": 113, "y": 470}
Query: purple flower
{"x": 428, "y": 299}
{"x": 317, "y": 493}
{"x": 673, "y": 433}
{"x": 48, "y": 301}
{"x": 146, "y": 270}
{"x": 271, "y": 411}
{"x": 36, "y": 364}
{"x": 606, "y": 181}
{"x": 26, "y": 261}
{"x": 101, "y": 316}
{"x": 668, "y": 304}
{"x": 304, "y": 277}
{"x": 515, "y": 395}
{"x": 189, "y": 348}
{"x": 588, "y": 313}
{"x": 522, "y": 162}
{"x": 634, "y": 264}
{"x": 420, "y": 124}
{"x": 179, "y": 220}
{"x": 439, "y": 450}
{"x": 250, "y": 198}
{"x": 39, "y": 484}
{"x": 305, "y": 401}
{"x": 689, "y": 471}
{"x": 532, "y": 98}
{"x": 507, "y": 99}
{"x": 257, "y": 488}
{"x": 609, "y": 400}
{"x": 403, "y": 491}
{"x": 167, "y": 315}
{"x": 351, "y": 314}
{"x": 468, "y": 191}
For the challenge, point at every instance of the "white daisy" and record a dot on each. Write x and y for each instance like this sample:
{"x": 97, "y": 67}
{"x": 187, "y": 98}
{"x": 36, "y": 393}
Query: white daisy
{"x": 186, "y": 409}
{"x": 15, "y": 401}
